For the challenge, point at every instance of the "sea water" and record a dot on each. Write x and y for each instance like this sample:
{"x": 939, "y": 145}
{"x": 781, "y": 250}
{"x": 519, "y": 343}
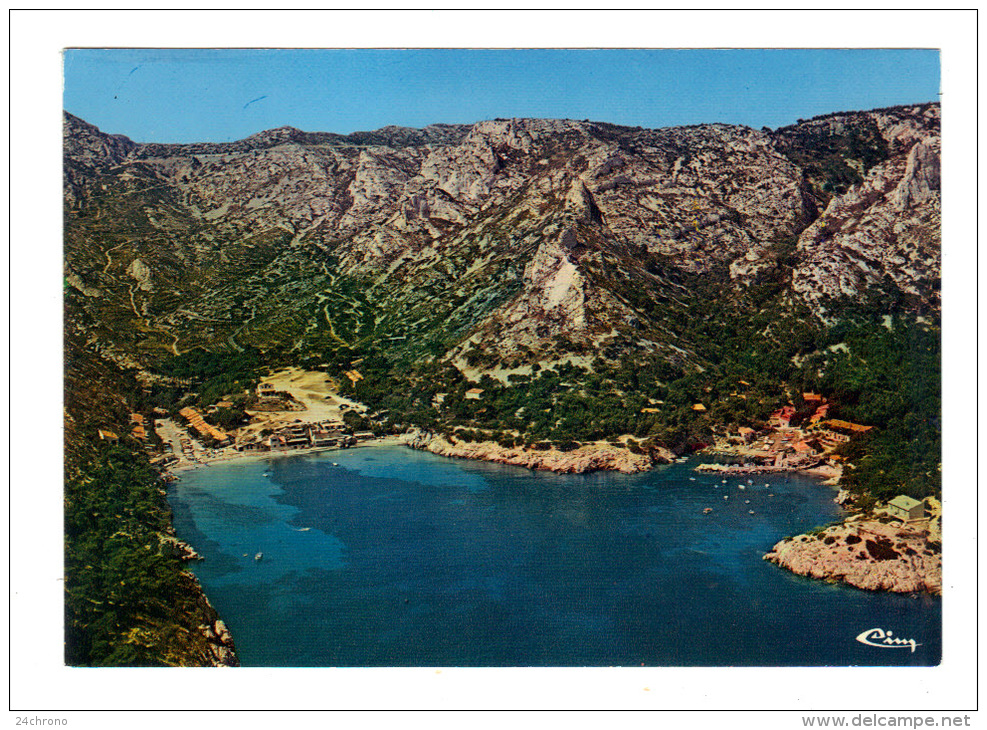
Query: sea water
{"x": 386, "y": 556}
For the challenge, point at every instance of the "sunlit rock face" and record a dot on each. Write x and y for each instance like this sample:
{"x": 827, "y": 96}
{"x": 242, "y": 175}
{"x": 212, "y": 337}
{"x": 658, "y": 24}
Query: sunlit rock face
{"x": 535, "y": 237}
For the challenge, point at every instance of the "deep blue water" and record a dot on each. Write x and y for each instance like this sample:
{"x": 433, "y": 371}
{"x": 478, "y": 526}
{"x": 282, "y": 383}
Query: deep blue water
{"x": 411, "y": 559}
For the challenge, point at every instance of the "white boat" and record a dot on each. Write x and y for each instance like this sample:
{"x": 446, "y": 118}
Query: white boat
{"x": 259, "y": 556}
{"x": 750, "y": 512}
{"x": 741, "y": 487}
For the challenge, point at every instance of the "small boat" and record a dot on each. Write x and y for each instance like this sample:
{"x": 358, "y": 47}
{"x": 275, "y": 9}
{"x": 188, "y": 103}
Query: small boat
{"x": 741, "y": 487}
{"x": 259, "y": 556}
{"x": 266, "y": 474}
{"x": 303, "y": 529}
{"x": 335, "y": 464}
{"x": 750, "y": 481}
{"x": 770, "y": 495}
{"x": 747, "y": 501}
{"x": 707, "y": 510}
{"x": 750, "y": 512}
{"x": 692, "y": 479}
{"x": 725, "y": 497}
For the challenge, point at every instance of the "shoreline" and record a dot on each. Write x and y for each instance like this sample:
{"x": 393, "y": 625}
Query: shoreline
{"x": 239, "y": 457}
{"x": 867, "y": 553}
{"x": 589, "y": 458}
{"x": 831, "y": 474}
{"x": 876, "y": 557}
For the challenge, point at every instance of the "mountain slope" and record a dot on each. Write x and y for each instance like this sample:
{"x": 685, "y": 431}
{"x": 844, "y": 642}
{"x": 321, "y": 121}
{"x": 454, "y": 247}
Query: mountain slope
{"x": 535, "y": 238}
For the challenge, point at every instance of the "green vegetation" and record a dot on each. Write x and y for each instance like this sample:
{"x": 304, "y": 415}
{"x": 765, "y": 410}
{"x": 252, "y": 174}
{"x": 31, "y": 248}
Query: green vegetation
{"x": 227, "y": 300}
{"x": 128, "y": 600}
{"x": 834, "y": 155}
{"x": 123, "y": 585}
{"x": 214, "y": 375}
{"x": 890, "y": 378}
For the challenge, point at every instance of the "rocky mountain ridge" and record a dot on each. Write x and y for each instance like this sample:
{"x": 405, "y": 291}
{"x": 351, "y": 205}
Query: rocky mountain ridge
{"x": 507, "y": 240}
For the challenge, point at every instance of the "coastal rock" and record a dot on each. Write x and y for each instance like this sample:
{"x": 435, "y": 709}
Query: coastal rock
{"x": 579, "y": 461}
{"x": 844, "y": 498}
{"x": 868, "y": 554}
{"x": 179, "y": 547}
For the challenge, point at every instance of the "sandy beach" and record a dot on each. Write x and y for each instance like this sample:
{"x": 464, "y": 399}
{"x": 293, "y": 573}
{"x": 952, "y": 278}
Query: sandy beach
{"x": 232, "y": 455}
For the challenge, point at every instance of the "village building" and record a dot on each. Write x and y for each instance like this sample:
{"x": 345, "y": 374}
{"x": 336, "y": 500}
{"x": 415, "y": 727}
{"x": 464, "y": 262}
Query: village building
{"x": 813, "y": 398}
{"x": 747, "y": 434}
{"x": 320, "y": 438}
{"x": 354, "y": 376}
{"x": 363, "y": 435}
{"x": 819, "y": 415}
{"x": 651, "y": 410}
{"x": 847, "y": 426}
{"x": 139, "y": 433}
{"x": 782, "y": 418}
{"x": 699, "y": 408}
{"x": 474, "y": 393}
{"x": 137, "y": 418}
{"x": 265, "y": 390}
{"x": 802, "y": 448}
{"x": 206, "y": 429}
{"x": 108, "y": 436}
{"x": 906, "y": 508}
{"x": 297, "y": 440}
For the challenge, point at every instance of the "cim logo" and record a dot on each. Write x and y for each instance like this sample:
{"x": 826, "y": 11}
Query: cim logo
{"x": 885, "y": 640}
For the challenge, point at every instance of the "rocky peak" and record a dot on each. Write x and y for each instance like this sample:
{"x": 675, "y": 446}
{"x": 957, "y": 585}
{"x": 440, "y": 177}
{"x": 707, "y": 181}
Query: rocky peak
{"x": 525, "y": 233}
{"x": 85, "y": 143}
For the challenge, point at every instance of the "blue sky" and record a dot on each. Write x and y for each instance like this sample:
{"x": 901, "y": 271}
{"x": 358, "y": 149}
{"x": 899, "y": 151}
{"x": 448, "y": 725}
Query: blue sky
{"x": 173, "y": 95}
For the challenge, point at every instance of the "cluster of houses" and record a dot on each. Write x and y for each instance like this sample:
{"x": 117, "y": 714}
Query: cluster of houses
{"x": 301, "y": 436}
{"x": 789, "y": 446}
{"x": 138, "y": 432}
{"x": 197, "y": 422}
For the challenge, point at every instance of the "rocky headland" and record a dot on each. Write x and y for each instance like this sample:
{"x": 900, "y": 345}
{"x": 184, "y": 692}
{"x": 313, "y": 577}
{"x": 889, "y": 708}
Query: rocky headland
{"x": 595, "y": 457}
{"x": 868, "y": 553}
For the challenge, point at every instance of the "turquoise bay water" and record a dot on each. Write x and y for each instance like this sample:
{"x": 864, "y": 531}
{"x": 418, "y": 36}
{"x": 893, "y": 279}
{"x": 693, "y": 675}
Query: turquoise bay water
{"x": 402, "y": 558}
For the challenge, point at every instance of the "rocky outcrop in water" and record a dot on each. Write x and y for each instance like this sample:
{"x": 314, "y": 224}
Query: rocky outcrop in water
{"x": 579, "y": 461}
{"x": 868, "y": 554}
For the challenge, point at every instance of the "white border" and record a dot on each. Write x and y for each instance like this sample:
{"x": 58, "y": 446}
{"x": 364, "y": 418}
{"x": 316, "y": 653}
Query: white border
{"x": 40, "y": 684}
